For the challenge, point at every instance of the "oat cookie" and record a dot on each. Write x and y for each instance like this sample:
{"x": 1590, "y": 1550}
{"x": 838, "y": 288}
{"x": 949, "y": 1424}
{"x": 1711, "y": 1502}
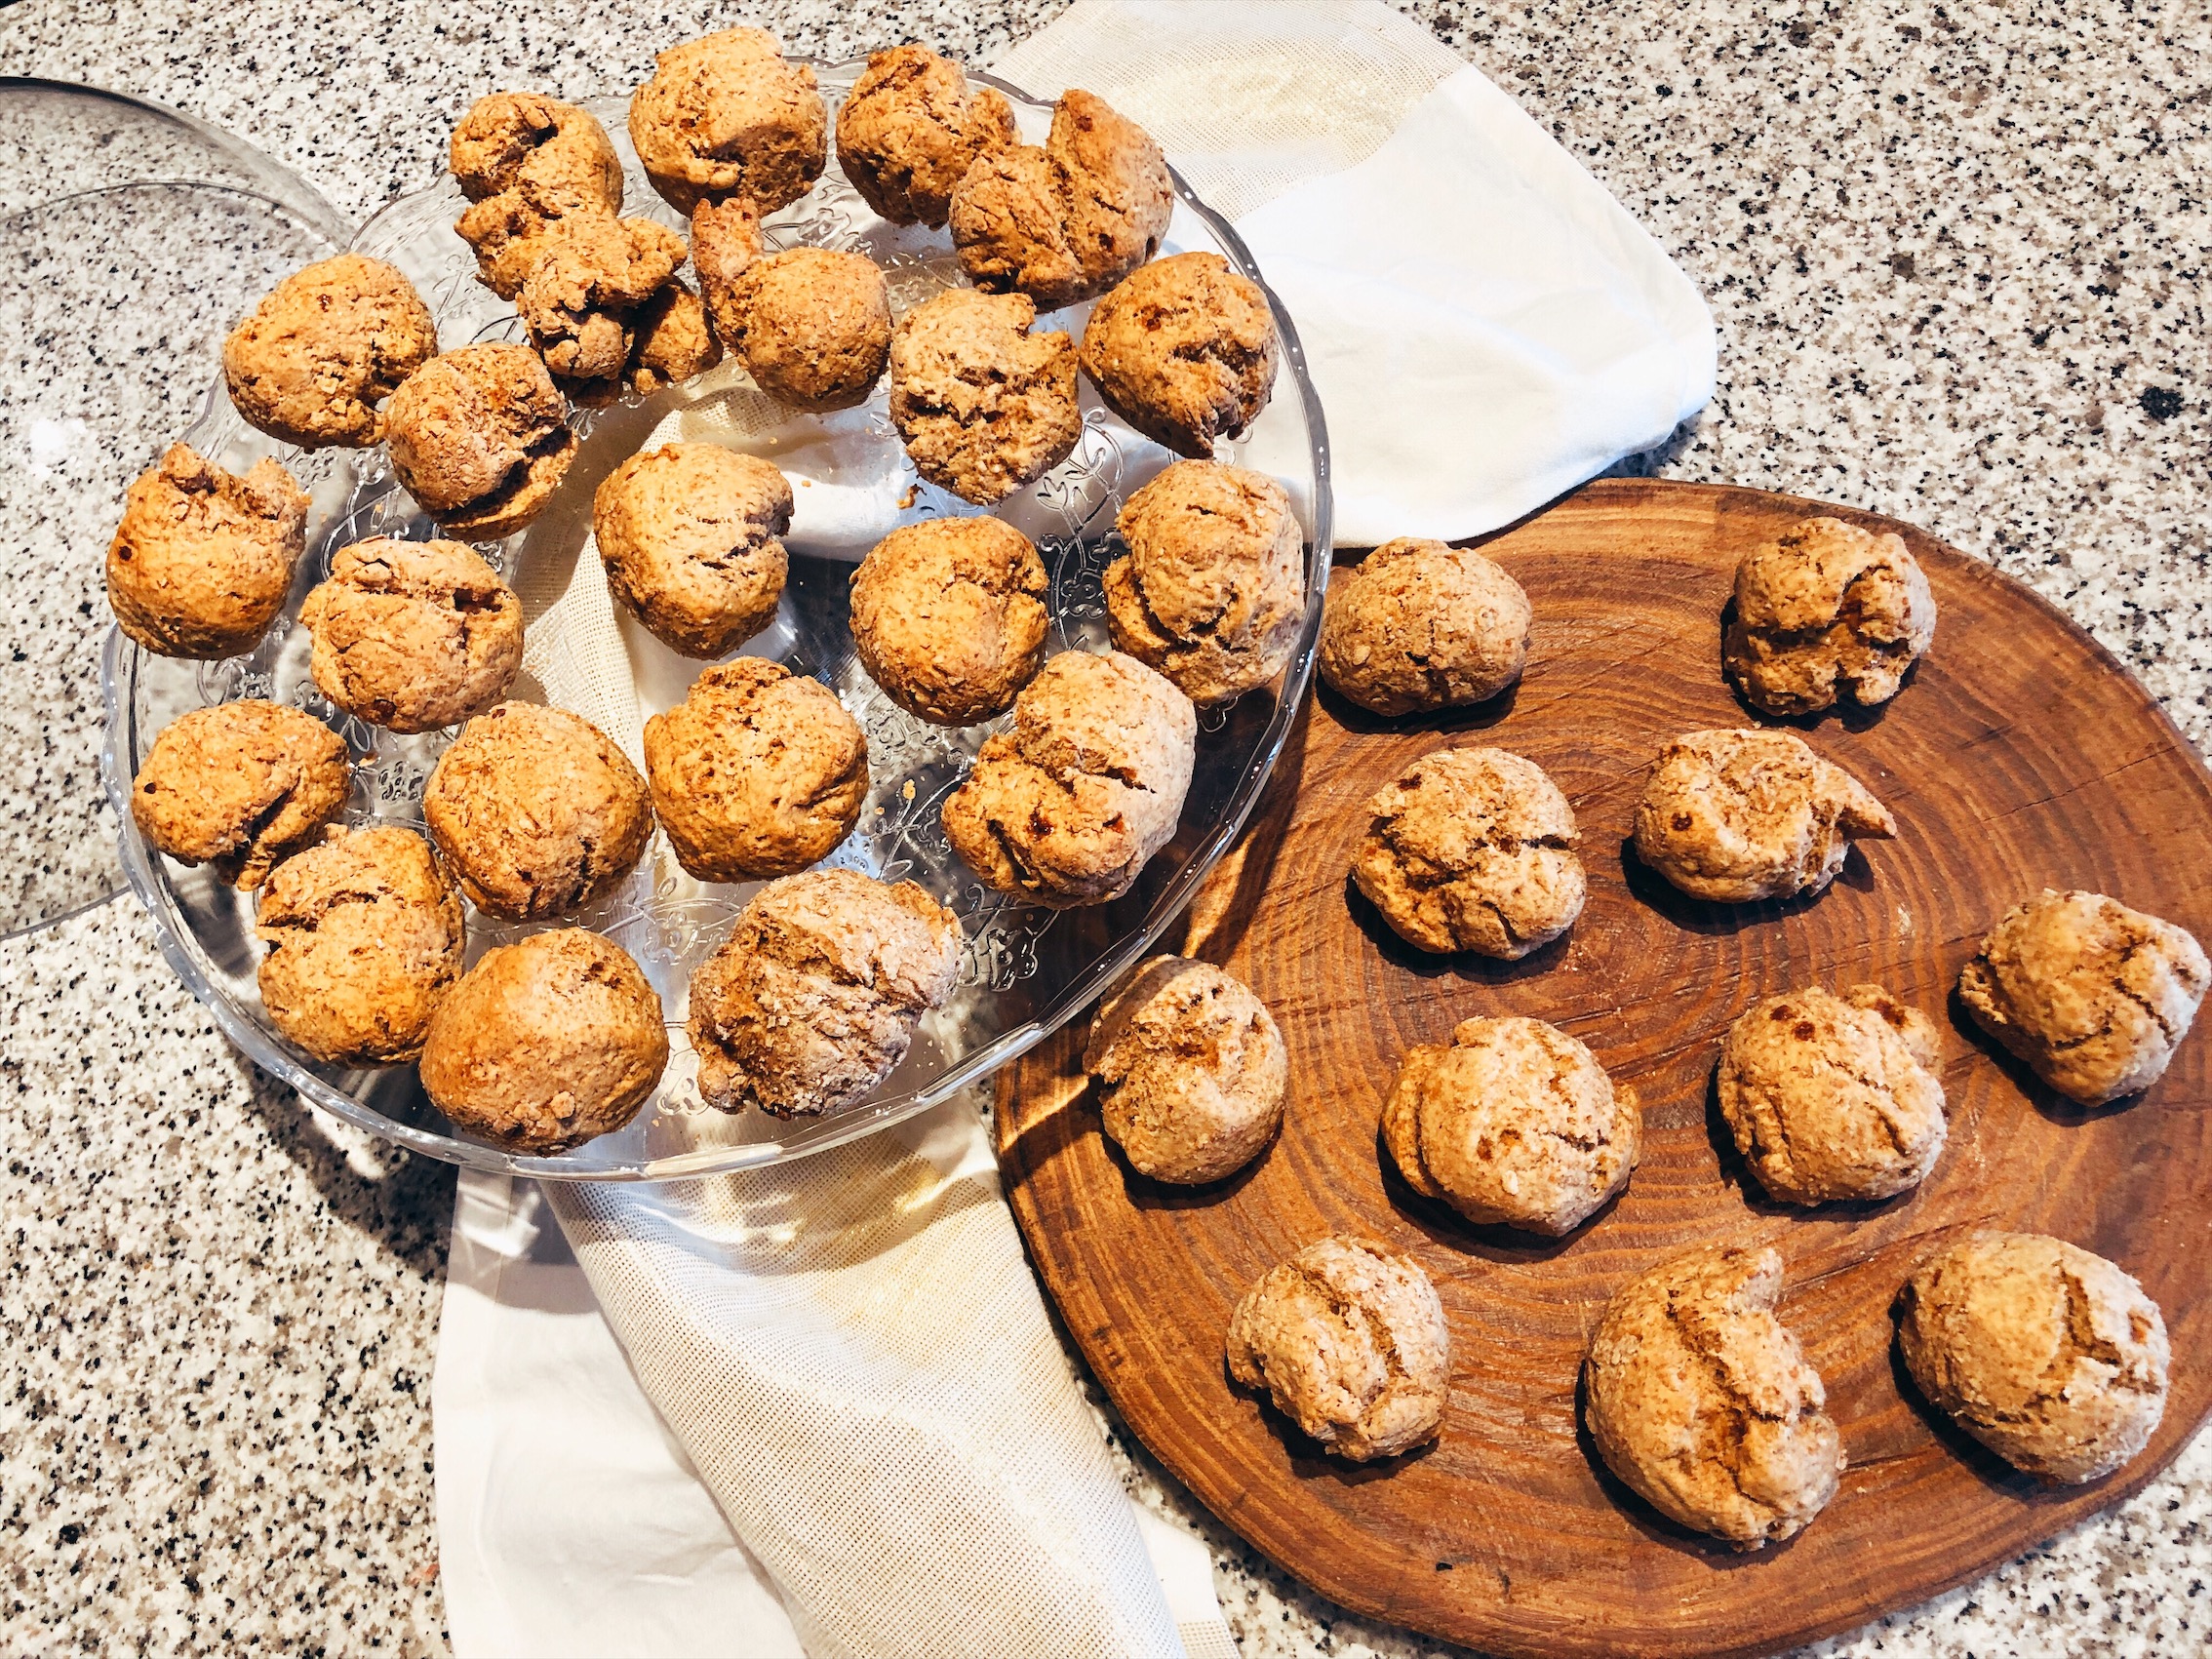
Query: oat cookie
{"x": 948, "y": 618}
{"x": 727, "y": 115}
{"x": 1191, "y": 1071}
{"x": 1735, "y": 817}
{"x": 1472, "y": 849}
{"x": 1418, "y": 625}
{"x": 412, "y": 636}
{"x": 1825, "y": 611}
{"x": 691, "y": 534}
{"x": 2051, "y": 1357}
{"x": 757, "y": 773}
{"x": 326, "y": 346}
{"x": 812, "y": 326}
{"x": 546, "y": 1042}
{"x": 1069, "y": 806}
{"x": 812, "y": 1002}
{"x": 1349, "y": 1339}
{"x": 983, "y": 405}
{"x": 525, "y": 162}
{"x": 912, "y": 128}
{"x": 725, "y": 238}
{"x": 240, "y": 786}
{"x": 2095, "y": 997}
{"x": 581, "y": 300}
{"x": 363, "y": 937}
{"x": 1068, "y": 222}
{"x": 672, "y": 341}
{"x": 1700, "y": 1399}
{"x": 1213, "y": 591}
{"x": 1834, "y": 1097}
{"x": 536, "y": 811}
{"x": 1184, "y": 351}
{"x": 480, "y": 438}
{"x": 203, "y": 560}
{"x": 1514, "y": 1124}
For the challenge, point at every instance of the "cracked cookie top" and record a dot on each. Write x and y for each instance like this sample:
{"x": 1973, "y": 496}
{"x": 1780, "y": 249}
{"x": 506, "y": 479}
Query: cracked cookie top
{"x": 581, "y": 298}
{"x": 1191, "y": 1071}
{"x": 983, "y": 405}
{"x": 728, "y": 115}
{"x": 412, "y": 636}
{"x": 2051, "y": 1357}
{"x": 1833, "y": 1096}
{"x": 812, "y": 326}
{"x": 480, "y": 438}
{"x": 1418, "y": 625}
{"x": 1515, "y": 1124}
{"x": 757, "y": 773}
{"x": 363, "y": 937}
{"x": 1824, "y": 611}
{"x": 2095, "y": 997}
{"x": 1734, "y": 816}
{"x": 1212, "y": 589}
{"x": 240, "y": 786}
{"x": 692, "y": 538}
{"x": 1472, "y": 849}
{"x": 911, "y": 129}
{"x": 1184, "y": 351}
{"x": 546, "y": 1042}
{"x": 1068, "y": 806}
{"x": 948, "y": 618}
{"x": 813, "y": 1000}
{"x": 328, "y": 344}
{"x": 527, "y": 162}
{"x": 1349, "y": 1340}
{"x": 1700, "y": 1399}
{"x": 203, "y": 559}
{"x": 536, "y": 812}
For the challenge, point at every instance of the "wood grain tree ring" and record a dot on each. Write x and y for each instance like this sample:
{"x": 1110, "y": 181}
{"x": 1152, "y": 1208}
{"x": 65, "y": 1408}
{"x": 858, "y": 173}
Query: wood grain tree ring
{"x": 2019, "y": 755}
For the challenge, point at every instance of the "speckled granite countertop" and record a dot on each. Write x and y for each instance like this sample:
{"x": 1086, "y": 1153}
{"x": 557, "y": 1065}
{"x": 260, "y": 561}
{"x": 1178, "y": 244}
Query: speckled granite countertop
{"x": 1957, "y": 254}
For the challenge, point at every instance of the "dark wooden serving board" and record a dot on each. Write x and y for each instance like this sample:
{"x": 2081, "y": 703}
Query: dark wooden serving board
{"x": 2019, "y": 755}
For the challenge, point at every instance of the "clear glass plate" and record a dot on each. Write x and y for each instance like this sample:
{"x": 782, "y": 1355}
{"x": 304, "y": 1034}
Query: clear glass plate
{"x": 1026, "y": 969}
{"x": 132, "y": 237}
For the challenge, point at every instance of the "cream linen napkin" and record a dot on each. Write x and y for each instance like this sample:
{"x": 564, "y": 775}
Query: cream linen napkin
{"x": 850, "y": 1354}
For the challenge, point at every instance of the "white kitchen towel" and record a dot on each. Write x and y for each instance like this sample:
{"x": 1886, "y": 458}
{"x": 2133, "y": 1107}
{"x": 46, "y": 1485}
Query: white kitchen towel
{"x": 850, "y": 1354}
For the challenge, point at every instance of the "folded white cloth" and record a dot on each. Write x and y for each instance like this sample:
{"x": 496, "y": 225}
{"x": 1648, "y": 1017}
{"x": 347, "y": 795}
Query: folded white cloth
{"x": 873, "y": 1443}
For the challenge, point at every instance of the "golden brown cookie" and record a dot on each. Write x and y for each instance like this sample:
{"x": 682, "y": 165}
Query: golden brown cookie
{"x": 728, "y": 115}
{"x": 480, "y": 438}
{"x": 812, "y": 1002}
{"x": 1213, "y": 591}
{"x": 412, "y": 636}
{"x": 1834, "y": 1097}
{"x": 1700, "y": 1399}
{"x": 1472, "y": 849}
{"x": 1068, "y": 222}
{"x": 240, "y": 786}
{"x": 546, "y": 1042}
{"x": 2051, "y": 1357}
{"x": 1184, "y": 351}
{"x": 203, "y": 560}
{"x": 948, "y": 618}
{"x": 725, "y": 238}
{"x": 1515, "y": 1124}
{"x": 672, "y": 341}
{"x": 1418, "y": 625}
{"x": 581, "y": 300}
{"x": 1734, "y": 816}
{"x": 1068, "y": 806}
{"x": 812, "y": 326}
{"x": 536, "y": 811}
{"x": 363, "y": 937}
{"x": 329, "y": 344}
{"x": 1349, "y": 1340}
{"x": 911, "y": 129}
{"x": 525, "y": 162}
{"x": 983, "y": 405}
{"x": 757, "y": 773}
{"x": 1826, "y": 611}
{"x": 1191, "y": 1071}
{"x": 2095, "y": 997}
{"x": 691, "y": 538}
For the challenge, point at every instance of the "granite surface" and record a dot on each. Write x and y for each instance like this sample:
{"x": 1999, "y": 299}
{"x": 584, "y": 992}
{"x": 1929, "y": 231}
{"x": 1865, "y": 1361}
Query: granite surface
{"x": 1957, "y": 256}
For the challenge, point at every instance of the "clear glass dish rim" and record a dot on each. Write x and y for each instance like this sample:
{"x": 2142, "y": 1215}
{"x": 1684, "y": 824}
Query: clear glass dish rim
{"x": 120, "y": 661}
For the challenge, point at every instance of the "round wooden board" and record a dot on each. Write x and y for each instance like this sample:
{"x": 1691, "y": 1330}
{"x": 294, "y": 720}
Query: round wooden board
{"x": 2019, "y": 755}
